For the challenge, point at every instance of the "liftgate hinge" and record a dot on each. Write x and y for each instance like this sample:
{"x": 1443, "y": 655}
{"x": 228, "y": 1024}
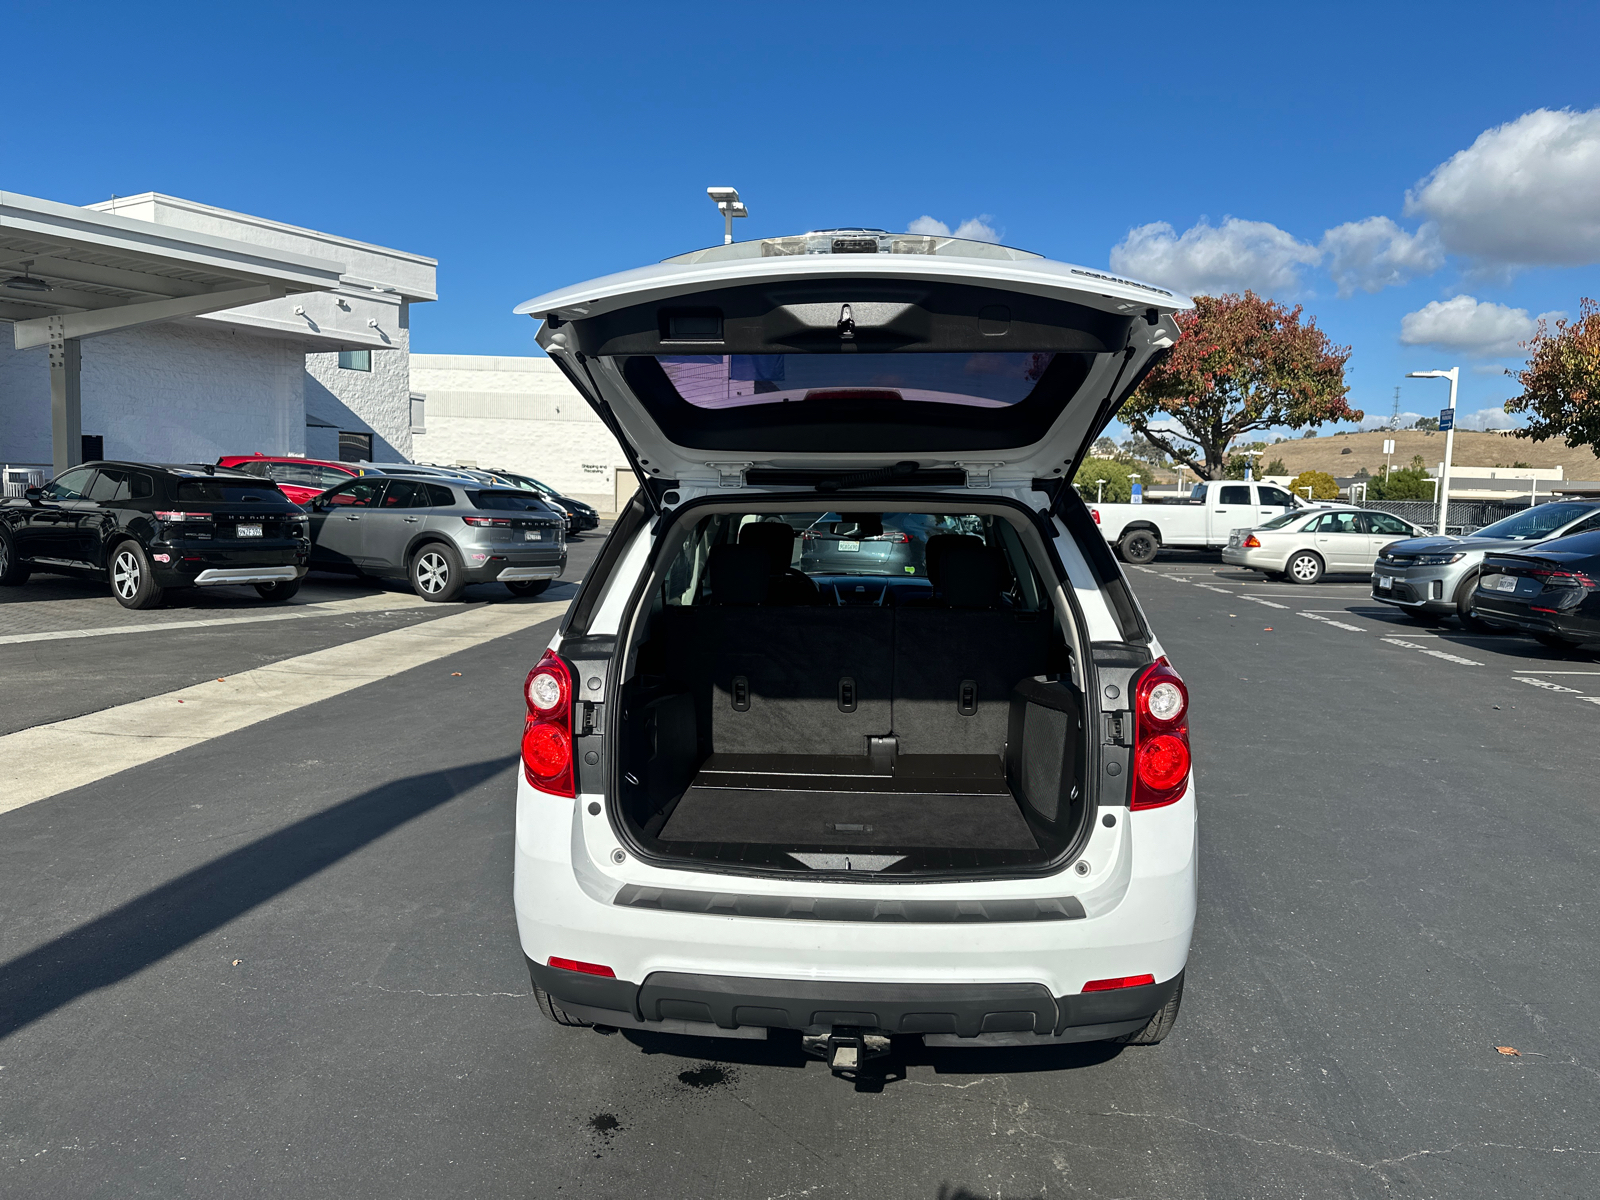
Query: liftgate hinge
{"x": 730, "y": 475}
{"x": 978, "y": 472}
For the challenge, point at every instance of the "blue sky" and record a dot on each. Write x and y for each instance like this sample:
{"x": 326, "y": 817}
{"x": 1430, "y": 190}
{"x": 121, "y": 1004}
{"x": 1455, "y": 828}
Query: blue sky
{"x": 531, "y": 145}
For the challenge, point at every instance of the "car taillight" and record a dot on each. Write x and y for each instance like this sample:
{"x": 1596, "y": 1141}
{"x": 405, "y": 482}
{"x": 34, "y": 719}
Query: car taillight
{"x": 482, "y": 521}
{"x": 572, "y": 964}
{"x": 176, "y": 517}
{"x": 1160, "y": 736}
{"x": 1095, "y": 513}
{"x": 1121, "y": 981}
{"x": 899, "y": 539}
{"x": 547, "y": 733}
{"x": 1252, "y": 542}
{"x": 1566, "y": 579}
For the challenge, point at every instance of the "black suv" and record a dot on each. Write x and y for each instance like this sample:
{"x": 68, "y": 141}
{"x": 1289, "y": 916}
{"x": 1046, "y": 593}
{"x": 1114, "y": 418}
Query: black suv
{"x": 148, "y": 527}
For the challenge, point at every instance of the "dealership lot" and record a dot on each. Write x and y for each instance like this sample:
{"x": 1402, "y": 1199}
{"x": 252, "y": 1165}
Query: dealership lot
{"x": 281, "y": 960}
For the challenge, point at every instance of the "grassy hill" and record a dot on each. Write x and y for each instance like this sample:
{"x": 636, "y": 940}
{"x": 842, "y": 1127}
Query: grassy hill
{"x": 1346, "y": 454}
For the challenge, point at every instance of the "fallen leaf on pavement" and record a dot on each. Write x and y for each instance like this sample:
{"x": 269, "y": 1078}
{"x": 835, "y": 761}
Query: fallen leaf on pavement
{"x": 220, "y": 679}
{"x": 1268, "y": 629}
{"x": 455, "y": 673}
{"x": 1509, "y": 1051}
{"x": 180, "y": 701}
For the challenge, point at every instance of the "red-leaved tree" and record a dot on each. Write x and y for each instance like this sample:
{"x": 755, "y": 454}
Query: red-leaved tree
{"x": 1561, "y": 383}
{"x": 1242, "y": 363}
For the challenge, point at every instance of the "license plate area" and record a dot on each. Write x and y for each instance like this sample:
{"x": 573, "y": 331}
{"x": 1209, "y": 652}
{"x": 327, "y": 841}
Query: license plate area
{"x": 532, "y": 535}
{"x": 1385, "y": 582}
{"x": 850, "y": 547}
{"x": 247, "y": 531}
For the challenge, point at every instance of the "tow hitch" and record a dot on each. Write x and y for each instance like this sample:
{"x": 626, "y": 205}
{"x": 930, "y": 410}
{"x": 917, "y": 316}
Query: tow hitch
{"x": 847, "y": 1048}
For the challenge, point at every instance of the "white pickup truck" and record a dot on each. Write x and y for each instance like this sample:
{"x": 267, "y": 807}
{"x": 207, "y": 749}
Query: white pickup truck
{"x": 1203, "y": 519}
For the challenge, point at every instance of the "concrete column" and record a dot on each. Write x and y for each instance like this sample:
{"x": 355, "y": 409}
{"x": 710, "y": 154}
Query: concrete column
{"x": 66, "y": 400}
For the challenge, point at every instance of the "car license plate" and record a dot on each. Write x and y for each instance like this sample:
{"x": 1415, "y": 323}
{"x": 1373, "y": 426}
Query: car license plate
{"x": 850, "y": 547}
{"x": 248, "y": 530}
{"x": 532, "y": 535}
{"x": 1505, "y": 583}
{"x": 1386, "y": 582}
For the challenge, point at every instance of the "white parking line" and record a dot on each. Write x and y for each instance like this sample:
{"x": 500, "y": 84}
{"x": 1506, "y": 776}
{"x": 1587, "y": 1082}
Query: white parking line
{"x": 48, "y": 759}
{"x": 1329, "y": 621}
{"x": 1455, "y": 658}
{"x": 1209, "y": 588}
{"x": 1549, "y": 687}
{"x": 383, "y": 603}
{"x": 1259, "y": 600}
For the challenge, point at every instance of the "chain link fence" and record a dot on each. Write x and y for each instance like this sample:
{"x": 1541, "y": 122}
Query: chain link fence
{"x": 1464, "y": 516}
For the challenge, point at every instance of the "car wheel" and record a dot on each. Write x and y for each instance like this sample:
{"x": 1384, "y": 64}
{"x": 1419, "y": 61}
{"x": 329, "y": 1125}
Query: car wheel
{"x": 528, "y": 587}
{"x": 1304, "y": 567}
{"x": 1138, "y": 547}
{"x": 1470, "y": 620}
{"x": 12, "y": 571}
{"x": 437, "y": 573}
{"x": 132, "y": 578}
{"x": 1159, "y": 1025}
{"x": 554, "y": 1011}
{"x": 278, "y": 592}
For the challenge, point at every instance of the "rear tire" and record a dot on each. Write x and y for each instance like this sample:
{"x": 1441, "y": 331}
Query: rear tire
{"x": 527, "y": 587}
{"x": 132, "y": 578}
{"x": 1304, "y": 567}
{"x": 1469, "y": 620}
{"x": 1159, "y": 1025}
{"x": 1138, "y": 547}
{"x": 437, "y": 573}
{"x": 554, "y": 1011}
{"x": 278, "y": 592}
{"x": 13, "y": 573}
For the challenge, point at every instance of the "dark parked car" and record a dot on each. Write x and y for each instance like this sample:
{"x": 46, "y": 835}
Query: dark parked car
{"x": 439, "y": 533}
{"x": 146, "y": 527}
{"x": 580, "y": 516}
{"x": 870, "y": 543}
{"x": 1552, "y": 592}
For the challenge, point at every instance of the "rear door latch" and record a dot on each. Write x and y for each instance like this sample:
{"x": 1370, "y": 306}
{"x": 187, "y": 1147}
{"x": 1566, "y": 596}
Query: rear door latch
{"x": 1118, "y": 728}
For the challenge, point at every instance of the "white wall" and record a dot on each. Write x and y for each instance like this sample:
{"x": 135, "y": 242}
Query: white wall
{"x": 376, "y": 401}
{"x": 517, "y": 414}
{"x": 163, "y": 392}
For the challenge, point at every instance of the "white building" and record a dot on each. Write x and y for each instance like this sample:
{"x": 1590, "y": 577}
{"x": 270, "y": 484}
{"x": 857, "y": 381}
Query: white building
{"x": 516, "y": 414}
{"x": 117, "y": 334}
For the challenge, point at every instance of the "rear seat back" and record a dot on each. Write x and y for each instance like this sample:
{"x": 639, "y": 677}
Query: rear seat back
{"x": 953, "y": 674}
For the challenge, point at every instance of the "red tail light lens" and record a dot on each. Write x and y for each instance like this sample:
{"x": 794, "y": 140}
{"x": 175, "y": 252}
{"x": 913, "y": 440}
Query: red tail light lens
{"x": 572, "y": 964}
{"x": 547, "y": 734}
{"x": 1103, "y": 985}
{"x": 1095, "y": 512}
{"x": 483, "y": 521}
{"x": 1252, "y": 542}
{"x": 1161, "y": 759}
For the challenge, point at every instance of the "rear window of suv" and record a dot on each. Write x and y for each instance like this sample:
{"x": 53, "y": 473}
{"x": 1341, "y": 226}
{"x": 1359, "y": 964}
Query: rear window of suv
{"x": 508, "y": 501}
{"x": 231, "y": 491}
{"x": 978, "y": 380}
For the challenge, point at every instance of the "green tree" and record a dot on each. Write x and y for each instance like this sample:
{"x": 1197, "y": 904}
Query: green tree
{"x": 1241, "y": 363}
{"x": 1118, "y": 489}
{"x": 1323, "y": 486}
{"x": 1426, "y": 423}
{"x": 1561, "y": 381}
{"x": 1403, "y": 483}
{"x": 1310, "y": 433}
{"x": 1105, "y": 448}
{"x": 1275, "y": 467}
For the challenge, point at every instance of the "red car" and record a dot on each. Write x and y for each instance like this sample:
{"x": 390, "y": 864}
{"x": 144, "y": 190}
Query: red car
{"x": 298, "y": 478}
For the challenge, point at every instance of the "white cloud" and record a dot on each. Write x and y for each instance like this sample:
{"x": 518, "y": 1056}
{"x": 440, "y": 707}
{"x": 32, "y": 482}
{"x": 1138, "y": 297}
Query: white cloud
{"x": 1487, "y": 418}
{"x": 1525, "y": 192}
{"x": 1377, "y": 420}
{"x": 1376, "y": 253}
{"x": 1480, "y": 328}
{"x": 976, "y": 229}
{"x": 1210, "y": 260}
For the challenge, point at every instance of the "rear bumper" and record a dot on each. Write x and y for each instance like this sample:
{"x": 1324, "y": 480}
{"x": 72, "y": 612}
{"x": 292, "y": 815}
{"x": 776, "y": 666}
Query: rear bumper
{"x": 195, "y": 566}
{"x": 517, "y": 574}
{"x": 1256, "y": 559}
{"x": 945, "y": 1013}
{"x": 233, "y": 576}
{"x": 1520, "y": 616}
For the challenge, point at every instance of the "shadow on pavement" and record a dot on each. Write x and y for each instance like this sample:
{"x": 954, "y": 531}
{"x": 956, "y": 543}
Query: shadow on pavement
{"x": 145, "y": 930}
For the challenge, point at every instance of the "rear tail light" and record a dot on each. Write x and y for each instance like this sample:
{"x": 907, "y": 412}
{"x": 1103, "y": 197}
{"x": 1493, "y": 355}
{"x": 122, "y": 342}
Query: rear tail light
{"x": 1160, "y": 737}
{"x": 1566, "y": 579}
{"x": 1103, "y": 985}
{"x": 1095, "y": 512}
{"x": 176, "y": 517}
{"x": 547, "y": 733}
{"x": 479, "y": 522}
{"x": 899, "y": 539}
{"x": 572, "y": 964}
{"x": 1252, "y": 542}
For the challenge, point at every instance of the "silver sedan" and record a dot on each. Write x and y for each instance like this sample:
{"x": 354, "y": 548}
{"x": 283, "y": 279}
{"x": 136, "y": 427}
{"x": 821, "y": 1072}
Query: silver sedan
{"x": 1432, "y": 577}
{"x": 1303, "y": 546}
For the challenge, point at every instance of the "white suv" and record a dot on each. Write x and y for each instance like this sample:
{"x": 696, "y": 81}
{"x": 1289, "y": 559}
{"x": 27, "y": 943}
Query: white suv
{"x": 940, "y": 791}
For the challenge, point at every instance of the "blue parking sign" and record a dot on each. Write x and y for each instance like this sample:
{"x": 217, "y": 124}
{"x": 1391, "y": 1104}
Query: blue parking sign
{"x": 1447, "y": 419}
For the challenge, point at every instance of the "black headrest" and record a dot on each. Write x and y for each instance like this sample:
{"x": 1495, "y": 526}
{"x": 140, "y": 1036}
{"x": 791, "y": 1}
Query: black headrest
{"x": 775, "y": 539}
{"x": 738, "y": 574}
{"x": 968, "y": 574}
{"x": 938, "y": 544}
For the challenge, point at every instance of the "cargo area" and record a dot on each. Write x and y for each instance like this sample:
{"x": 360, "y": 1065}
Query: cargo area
{"x": 916, "y": 715}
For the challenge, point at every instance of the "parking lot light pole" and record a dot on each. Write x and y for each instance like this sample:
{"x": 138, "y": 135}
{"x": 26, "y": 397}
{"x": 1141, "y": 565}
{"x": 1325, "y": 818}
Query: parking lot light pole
{"x": 1443, "y": 489}
{"x": 727, "y": 201}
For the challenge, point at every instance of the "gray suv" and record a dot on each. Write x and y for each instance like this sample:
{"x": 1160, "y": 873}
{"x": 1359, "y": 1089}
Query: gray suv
{"x": 1432, "y": 577}
{"x": 441, "y": 534}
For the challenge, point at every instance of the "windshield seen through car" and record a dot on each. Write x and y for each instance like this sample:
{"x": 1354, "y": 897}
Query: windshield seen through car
{"x": 1535, "y": 523}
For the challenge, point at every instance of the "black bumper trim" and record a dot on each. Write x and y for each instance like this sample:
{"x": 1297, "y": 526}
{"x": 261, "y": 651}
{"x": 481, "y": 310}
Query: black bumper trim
{"x": 964, "y": 1010}
{"x": 810, "y": 908}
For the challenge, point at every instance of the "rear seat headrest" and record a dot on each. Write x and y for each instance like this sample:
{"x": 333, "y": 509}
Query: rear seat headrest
{"x": 966, "y": 573}
{"x": 941, "y": 542}
{"x": 775, "y": 539}
{"x": 738, "y": 574}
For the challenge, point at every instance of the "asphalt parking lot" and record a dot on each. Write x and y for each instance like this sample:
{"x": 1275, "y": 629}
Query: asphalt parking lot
{"x": 275, "y": 954}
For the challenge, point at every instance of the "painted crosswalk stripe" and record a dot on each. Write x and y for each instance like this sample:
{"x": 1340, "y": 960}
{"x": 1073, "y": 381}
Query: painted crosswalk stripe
{"x": 48, "y": 759}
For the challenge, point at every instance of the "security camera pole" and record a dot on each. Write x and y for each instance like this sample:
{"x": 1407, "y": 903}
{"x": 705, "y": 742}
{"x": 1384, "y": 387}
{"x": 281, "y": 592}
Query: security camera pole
{"x": 1447, "y": 421}
{"x": 727, "y": 201}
